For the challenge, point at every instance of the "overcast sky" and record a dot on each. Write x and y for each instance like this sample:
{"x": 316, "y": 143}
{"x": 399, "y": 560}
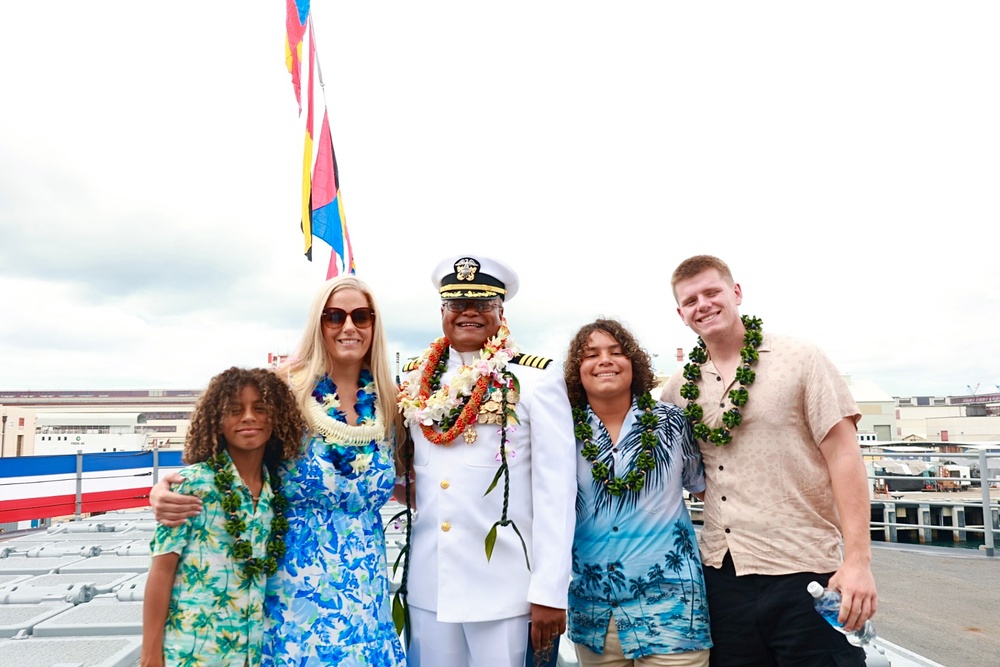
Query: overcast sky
{"x": 842, "y": 157}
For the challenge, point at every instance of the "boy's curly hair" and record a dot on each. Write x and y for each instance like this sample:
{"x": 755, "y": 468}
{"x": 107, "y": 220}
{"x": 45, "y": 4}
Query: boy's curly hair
{"x": 204, "y": 436}
{"x": 643, "y": 377}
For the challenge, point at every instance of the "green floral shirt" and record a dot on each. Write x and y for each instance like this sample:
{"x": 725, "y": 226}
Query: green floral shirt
{"x": 216, "y": 615}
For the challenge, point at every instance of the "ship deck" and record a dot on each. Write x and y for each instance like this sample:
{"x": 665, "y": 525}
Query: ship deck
{"x": 937, "y": 605}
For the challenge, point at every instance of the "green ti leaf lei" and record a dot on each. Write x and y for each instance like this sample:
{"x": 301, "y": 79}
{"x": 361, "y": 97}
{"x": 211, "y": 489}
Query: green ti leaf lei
{"x": 241, "y": 549}
{"x": 745, "y": 375}
{"x": 636, "y": 478}
{"x": 504, "y": 472}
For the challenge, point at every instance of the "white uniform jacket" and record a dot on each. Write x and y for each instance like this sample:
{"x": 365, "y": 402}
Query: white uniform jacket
{"x": 449, "y": 572}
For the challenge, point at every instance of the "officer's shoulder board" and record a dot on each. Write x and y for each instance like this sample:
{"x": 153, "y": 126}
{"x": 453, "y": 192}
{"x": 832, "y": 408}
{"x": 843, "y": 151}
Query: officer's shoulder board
{"x": 410, "y": 365}
{"x": 532, "y": 360}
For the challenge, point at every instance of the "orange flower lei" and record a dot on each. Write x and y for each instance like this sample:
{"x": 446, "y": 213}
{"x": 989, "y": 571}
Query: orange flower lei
{"x": 469, "y": 412}
{"x": 430, "y": 373}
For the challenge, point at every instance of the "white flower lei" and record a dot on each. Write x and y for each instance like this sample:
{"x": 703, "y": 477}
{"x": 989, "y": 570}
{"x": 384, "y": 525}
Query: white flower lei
{"x": 492, "y": 361}
{"x": 336, "y": 432}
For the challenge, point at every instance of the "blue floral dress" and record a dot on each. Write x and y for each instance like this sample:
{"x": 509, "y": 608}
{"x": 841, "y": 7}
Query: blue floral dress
{"x": 329, "y": 602}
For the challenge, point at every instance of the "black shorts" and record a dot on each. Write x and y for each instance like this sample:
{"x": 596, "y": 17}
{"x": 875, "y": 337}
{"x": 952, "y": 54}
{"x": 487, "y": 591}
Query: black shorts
{"x": 765, "y": 620}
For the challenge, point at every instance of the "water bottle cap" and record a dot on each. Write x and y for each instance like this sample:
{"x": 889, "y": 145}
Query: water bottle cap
{"x": 815, "y": 589}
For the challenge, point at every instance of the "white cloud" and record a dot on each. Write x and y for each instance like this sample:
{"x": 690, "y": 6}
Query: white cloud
{"x": 841, "y": 159}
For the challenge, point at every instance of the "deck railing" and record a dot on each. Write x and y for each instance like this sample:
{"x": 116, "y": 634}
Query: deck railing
{"x": 36, "y": 488}
{"x": 43, "y": 487}
{"x": 931, "y": 512}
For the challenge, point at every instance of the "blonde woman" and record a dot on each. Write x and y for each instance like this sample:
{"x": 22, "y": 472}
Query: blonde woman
{"x": 328, "y": 603}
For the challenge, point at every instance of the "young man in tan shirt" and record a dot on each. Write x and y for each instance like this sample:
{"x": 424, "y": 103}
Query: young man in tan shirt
{"x": 785, "y": 481}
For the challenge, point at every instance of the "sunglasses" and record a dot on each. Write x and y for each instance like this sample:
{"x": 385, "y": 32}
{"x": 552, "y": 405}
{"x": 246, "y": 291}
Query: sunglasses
{"x": 336, "y": 317}
{"x": 478, "y": 305}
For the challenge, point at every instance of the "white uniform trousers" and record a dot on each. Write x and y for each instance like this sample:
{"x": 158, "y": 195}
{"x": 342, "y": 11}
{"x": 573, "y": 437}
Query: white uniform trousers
{"x": 482, "y": 644}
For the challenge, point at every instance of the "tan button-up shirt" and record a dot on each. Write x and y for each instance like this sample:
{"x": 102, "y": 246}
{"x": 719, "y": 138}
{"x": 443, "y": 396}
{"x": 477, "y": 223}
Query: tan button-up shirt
{"x": 769, "y": 501}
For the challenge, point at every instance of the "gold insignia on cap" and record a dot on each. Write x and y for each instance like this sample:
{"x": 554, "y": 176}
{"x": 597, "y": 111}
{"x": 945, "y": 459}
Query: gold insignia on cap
{"x": 465, "y": 269}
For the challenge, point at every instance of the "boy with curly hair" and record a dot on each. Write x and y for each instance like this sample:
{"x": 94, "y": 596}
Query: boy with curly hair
{"x": 205, "y": 589}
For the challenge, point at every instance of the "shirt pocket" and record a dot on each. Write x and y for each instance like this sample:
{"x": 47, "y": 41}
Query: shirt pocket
{"x": 484, "y": 454}
{"x": 485, "y": 451}
{"x": 421, "y": 451}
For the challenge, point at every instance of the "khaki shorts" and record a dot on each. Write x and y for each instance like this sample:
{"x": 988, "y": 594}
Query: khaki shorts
{"x": 614, "y": 657}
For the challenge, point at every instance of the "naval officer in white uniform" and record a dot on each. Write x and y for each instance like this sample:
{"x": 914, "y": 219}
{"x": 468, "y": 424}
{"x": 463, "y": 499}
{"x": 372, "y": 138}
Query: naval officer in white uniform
{"x": 467, "y": 610}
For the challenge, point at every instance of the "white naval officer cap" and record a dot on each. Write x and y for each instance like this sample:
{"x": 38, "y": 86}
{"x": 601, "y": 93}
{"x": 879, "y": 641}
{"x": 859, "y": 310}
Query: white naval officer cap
{"x": 474, "y": 277}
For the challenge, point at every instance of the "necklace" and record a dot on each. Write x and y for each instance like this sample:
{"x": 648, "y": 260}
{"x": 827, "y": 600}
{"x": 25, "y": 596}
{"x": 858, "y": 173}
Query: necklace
{"x": 347, "y": 449}
{"x": 241, "y": 549}
{"x": 738, "y": 397}
{"x": 455, "y": 408}
{"x": 327, "y": 419}
{"x": 636, "y": 478}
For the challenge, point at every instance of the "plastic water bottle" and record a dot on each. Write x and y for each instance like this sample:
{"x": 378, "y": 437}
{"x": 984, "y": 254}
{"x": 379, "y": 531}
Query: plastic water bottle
{"x": 827, "y": 603}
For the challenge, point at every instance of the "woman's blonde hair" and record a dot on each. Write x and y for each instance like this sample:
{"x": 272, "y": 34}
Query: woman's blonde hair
{"x": 311, "y": 360}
